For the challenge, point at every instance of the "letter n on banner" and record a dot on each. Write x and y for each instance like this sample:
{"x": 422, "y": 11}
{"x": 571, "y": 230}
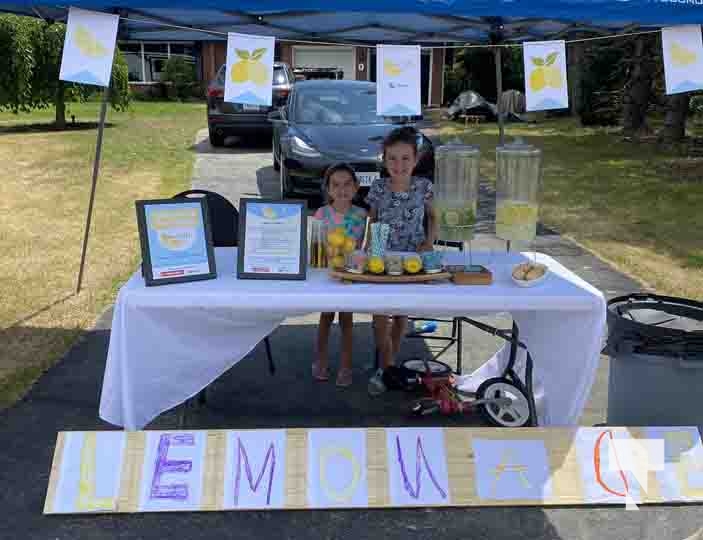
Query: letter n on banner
{"x": 417, "y": 467}
{"x": 255, "y": 469}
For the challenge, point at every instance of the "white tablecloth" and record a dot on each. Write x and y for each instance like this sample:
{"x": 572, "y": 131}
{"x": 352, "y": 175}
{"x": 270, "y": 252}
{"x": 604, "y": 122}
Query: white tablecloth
{"x": 171, "y": 341}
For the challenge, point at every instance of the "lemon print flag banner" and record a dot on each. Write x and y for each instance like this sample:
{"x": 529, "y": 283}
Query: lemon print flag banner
{"x": 398, "y": 90}
{"x": 545, "y": 75}
{"x": 249, "y": 69}
{"x": 683, "y": 58}
{"x": 89, "y": 47}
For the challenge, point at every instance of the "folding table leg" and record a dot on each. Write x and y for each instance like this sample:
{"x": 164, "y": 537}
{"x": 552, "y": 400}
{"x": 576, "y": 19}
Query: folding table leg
{"x": 459, "y": 345}
{"x": 267, "y": 344}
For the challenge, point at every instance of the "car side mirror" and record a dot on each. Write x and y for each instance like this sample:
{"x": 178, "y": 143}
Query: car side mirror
{"x": 275, "y": 116}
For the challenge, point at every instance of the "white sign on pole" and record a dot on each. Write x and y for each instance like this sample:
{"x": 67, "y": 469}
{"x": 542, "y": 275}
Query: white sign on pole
{"x": 398, "y": 87}
{"x": 249, "y": 76}
{"x": 89, "y": 47}
{"x": 545, "y": 75}
{"x": 683, "y": 58}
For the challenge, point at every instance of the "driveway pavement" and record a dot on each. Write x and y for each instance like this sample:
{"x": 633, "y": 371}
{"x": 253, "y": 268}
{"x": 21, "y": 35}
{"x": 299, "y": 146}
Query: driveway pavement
{"x": 67, "y": 398}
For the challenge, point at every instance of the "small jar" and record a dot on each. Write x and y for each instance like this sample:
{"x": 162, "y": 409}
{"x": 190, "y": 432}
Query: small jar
{"x": 412, "y": 264}
{"x": 356, "y": 261}
{"x": 431, "y": 261}
{"x": 394, "y": 264}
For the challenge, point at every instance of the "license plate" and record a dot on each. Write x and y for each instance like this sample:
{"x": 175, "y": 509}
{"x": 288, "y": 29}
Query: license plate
{"x": 366, "y": 179}
{"x": 251, "y": 108}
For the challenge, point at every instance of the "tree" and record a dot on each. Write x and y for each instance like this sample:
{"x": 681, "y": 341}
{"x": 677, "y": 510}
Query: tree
{"x": 675, "y": 121}
{"x": 641, "y": 62}
{"x": 181, "y": 74}
{"x": 31, "y": 65}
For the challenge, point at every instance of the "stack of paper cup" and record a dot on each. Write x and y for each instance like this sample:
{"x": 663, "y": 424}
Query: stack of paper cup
{"x": 379, "y": 238}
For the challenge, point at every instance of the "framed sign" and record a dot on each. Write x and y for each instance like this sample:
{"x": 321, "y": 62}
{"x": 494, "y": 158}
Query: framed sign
{"x": 176, "y": 241}
{"x": 272, "y": 239}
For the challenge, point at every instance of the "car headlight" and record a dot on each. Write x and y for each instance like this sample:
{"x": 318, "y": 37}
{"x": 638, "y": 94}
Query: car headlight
{"x": 300, "y": 147}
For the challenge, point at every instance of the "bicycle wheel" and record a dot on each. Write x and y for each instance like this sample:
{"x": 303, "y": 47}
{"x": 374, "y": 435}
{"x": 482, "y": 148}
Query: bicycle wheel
{"x": 419, "y": 366}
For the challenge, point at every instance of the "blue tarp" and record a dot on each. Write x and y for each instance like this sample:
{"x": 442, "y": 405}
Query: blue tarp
{"x": 386, "y": 20}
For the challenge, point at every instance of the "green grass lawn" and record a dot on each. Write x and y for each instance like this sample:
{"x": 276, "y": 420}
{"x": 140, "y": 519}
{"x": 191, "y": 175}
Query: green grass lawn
{"x": 635, "y": 205}
{"x": 147, "y": 153}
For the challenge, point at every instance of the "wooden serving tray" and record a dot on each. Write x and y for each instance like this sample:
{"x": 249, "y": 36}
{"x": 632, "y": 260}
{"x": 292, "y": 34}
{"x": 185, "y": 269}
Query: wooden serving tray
{"x": 384, "y": 278}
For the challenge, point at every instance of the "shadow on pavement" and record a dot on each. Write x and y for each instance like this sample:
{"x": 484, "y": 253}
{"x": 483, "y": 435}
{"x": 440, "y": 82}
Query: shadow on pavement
{"x": 234, "y": 145}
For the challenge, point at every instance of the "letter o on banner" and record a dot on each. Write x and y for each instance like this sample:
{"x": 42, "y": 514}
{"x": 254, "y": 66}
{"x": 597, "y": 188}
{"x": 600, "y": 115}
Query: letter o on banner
{"x": 331, "y": 491}
{"x": 361, "y": 67}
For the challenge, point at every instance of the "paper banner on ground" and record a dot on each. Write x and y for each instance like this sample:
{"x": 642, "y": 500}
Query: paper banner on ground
{"x": 512, "y": 469}
{"x": 255, "y": 469}
{"x": 337, "y": 471}
{"x": 172, "y": 473}
{"x": 90, "y": 472}
{"x": 89, "y": 47}
{"x": 545, "y": 75}
{"x": 417, "y": 466}
{"x": 683, "y": 58}
{"x": 398, "y": 87}
{"x": 682, "y": 477}
{"x": 606, "y": 477}
{"x": 249, "y": 75}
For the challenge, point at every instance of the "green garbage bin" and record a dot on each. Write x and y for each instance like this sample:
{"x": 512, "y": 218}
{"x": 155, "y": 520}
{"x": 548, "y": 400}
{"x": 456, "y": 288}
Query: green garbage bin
{"x": 655, "y": 344}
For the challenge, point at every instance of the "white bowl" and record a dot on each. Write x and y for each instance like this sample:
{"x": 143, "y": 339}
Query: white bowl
{"x": 532, "y": 282}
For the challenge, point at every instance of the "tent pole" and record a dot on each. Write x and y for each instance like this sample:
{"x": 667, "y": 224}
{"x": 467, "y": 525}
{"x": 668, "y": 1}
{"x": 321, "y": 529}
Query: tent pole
{"x": 499, "y": 88}
{"x": 96, "y": 169}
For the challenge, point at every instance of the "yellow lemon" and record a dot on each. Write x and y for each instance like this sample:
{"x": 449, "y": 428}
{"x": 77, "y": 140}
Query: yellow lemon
{"x": 537, "y": 79}
{"x": 87, "y": 43}
{"x": 412, "y": 265}
{"x": 338, "y": 261}
{"x": 257, "y": 73}
{"x": 376, "y": 265}
{"x": 336, "y": 239}
{"x": 391, "y": 69}
{"x": 349, "y": 245}
{"x": 552, "y": 77}
{"x": 240, "y": 71}
{"x": 681, "y": 56}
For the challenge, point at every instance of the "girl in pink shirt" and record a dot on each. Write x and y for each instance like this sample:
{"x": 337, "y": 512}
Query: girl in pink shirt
{"x": 341, "y": 186}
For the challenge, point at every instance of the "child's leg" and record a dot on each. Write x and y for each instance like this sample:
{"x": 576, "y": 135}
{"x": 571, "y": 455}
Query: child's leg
{"x": 323, "y": 335}
{"x": 346, "y": 321}
{"x": 400, "y": 325}
{"x": 381, "y": 325}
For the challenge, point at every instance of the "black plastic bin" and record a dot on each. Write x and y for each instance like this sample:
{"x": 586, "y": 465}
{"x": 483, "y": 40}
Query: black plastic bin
{"x": 655, "y": 344}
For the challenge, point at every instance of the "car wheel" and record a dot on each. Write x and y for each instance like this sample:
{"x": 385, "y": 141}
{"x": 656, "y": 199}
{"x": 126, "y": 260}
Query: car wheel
{"x": 216, "y": 139}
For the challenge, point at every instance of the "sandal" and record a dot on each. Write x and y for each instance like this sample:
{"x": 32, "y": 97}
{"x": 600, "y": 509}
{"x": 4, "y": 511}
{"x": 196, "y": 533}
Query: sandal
{"x": 344, "y": 377}
{"x": 319, "y": 374}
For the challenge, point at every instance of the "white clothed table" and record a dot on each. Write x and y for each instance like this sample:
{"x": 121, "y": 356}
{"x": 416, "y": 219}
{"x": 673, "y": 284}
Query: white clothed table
{"x": 171, "y": 341}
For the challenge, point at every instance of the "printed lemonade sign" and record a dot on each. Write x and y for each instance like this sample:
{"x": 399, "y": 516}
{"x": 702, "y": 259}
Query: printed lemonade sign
{"x": 89, "y": 47}
{"x": 545, "y": 75}
{"x": 398, "y": 90}
{"x": 249, "y": 76}
{"x": 683, "y": 59}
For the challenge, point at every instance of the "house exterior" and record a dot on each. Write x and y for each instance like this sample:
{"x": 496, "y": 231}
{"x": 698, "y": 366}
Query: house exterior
{"x": 146, "y": 60}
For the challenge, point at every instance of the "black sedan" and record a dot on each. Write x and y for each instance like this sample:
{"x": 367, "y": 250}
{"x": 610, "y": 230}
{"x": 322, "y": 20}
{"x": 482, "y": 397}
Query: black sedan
{"x": 327, "y": 121}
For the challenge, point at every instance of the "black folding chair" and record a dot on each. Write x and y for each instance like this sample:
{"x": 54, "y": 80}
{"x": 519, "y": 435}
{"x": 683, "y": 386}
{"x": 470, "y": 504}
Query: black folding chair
{"x": 224, "y": 223}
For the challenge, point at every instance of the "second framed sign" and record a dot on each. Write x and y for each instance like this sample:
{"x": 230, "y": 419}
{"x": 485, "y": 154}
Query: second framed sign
{"x": 272, "y": 239}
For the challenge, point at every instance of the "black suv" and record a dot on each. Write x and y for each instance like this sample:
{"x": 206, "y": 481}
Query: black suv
{"x": 225, "y": 119}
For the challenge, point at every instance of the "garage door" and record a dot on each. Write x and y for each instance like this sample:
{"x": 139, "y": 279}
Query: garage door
{"x": 324, "y": 57}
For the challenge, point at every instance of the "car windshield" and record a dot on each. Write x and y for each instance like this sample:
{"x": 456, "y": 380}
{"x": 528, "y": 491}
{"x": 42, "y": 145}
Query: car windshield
{"x": 341, "y": 105}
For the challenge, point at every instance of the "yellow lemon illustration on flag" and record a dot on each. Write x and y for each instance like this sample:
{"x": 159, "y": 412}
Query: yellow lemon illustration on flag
{"x": 545, "y": 74}
{"x": 269, "y": 213}
{"x": 87, "y": 43}
{"x": 249, "y": 67}
{"x": 681, "y": 56}
{"x": 391, "y": 69}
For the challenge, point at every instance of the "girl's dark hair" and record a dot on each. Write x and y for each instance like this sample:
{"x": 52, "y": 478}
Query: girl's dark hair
{"x": 406, "y": 135}
{"x": 333, "y": 169}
